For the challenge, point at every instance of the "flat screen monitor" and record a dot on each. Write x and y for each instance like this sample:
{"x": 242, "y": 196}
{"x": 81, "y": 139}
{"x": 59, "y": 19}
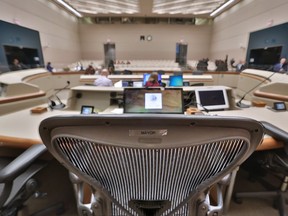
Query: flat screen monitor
{"x": 146, "y": 77}
{"x": 137, "y": 84}
{"x": 153, "y": 100}
{"x": 211, "y": 98}
{"x": 87, "y": 109}
{"x": 125, "y": 83}
{"x": 265, "y": 56}
{"x": 176, "y": 80}
{"x": 279, "y": 106}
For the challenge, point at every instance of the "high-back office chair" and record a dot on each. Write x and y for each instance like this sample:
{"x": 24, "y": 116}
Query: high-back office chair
{"x": 127, "y": 72}
{"x": 16, "y": 179}
{"x": 274, "y": 162}
{"x": 197, "y": 72}
{"x": 150, "y": 164}
{"x": 161, "y": 72}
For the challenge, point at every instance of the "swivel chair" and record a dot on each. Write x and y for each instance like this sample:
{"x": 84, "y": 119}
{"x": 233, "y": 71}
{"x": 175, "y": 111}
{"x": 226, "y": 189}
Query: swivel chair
{"x": 274, "y": 162}
{"x": 156, "y": 165}
{"x": 16, "y": 179}
{"x": 127, "y": 72}
{"x": 161, "y": 72}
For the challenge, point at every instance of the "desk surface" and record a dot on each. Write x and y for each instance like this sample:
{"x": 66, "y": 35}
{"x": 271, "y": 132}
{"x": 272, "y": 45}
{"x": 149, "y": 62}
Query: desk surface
{"x": 140, "y": 76}
{"x": 18, "y": 76}
{"x": 120, "y": 89}
{"x": 258, "y": 113}
{"x": 279, "y": 119}
{"x": 24, "y": 125}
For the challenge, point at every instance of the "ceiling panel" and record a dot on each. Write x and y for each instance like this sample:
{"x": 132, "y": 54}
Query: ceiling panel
{"x": 105, "y": 6}
{"x": 147, "y": 8}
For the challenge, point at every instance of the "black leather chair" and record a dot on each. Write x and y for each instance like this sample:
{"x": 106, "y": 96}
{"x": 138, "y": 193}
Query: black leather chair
{"x": 274, "y": 162}
{"x": 16, "y": 179}
{"x": 150, "y": 165}
{"x": 127, "y": 72}
{"x": 161, "y": 72}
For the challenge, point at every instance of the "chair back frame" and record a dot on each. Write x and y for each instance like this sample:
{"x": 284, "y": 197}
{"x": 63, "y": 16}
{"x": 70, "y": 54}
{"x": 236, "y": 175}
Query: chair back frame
{"x": 150, "y": 164}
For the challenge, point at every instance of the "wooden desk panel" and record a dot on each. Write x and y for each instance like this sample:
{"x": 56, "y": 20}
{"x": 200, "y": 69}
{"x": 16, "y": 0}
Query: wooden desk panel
{"x": 89, "y": 79}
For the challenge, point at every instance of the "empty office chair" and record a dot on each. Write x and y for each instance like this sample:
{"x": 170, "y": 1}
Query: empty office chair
{"x": 127, "y": 72}
{"x": 16, "y": 179}
{"x": 197, "y": 84}
{"x": 177, "y": 73}
{"x": 197, "y": 72}
{"x": 275, "y": 162}
{"x": 117, "y": 73}
{"x": 149, "y": 164}
{"x": 161, "y": 72}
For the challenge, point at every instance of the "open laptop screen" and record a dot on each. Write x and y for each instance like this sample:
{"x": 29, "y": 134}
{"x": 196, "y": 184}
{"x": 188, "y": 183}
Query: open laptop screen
{"x": 153, "y": 100}
{"x": 176, "y": 80}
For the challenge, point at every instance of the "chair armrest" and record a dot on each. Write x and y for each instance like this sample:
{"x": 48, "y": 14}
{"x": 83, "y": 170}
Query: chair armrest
{"x": 275, "y": 132}
{"x": 20, "y": 163}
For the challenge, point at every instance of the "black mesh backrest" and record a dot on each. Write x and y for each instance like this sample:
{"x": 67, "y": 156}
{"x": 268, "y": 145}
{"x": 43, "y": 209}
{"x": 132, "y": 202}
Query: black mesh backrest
{"x": 150, "y": 165}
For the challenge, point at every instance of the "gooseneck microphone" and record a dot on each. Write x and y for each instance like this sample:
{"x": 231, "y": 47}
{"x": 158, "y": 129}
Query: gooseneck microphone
{"x": 195, "y": 103}
{"x": 53, "y": 105}
{"x": 240, "y": 104}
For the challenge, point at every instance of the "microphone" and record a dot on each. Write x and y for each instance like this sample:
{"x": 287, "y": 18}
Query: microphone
{"x": 61, "y": 89}
{"x": 194, "y": 102}
{"x": 205, "y": 109}
{"x": 240, "y": 104}
{"x": 53, "y": 105}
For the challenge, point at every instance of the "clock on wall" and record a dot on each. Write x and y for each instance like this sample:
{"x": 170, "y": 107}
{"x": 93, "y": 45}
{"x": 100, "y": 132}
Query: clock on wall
{"x": 149, "y": 38}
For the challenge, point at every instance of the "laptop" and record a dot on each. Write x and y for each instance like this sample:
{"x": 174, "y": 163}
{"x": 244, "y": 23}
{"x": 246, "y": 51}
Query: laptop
{"x": 153, "y": 100}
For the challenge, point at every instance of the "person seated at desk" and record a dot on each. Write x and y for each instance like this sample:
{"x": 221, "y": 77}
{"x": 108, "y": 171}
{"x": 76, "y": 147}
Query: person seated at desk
{"x": 153, "y": 80}
{"x": 281, "y": 66}
{"x": 17, "y": 65}
{"x": 240, "y": 66}
{"x": 49, "y": 67}
{"x": 90, "y": 70}
{"x": 111, "y": 67}
{"x": 103, "y": 80}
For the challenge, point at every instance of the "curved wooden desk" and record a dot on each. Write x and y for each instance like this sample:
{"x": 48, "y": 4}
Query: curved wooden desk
{"x": 275, "y": 91}
{"x": 13, "y": 133}
{"x": 6, "y": 100}
{"x": 89, "y": 79}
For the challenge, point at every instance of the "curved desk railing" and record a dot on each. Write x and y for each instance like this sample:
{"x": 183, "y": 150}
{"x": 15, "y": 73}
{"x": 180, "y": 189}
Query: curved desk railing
{"x": 15, "y": 103}
{"x": 272, "y": 93}
{"x": 17, "y": 98}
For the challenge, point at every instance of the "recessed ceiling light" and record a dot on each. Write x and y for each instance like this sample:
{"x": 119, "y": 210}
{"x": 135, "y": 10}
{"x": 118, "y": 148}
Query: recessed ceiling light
{"x": 69, "y": 8}
{"x": 221, "y": 8}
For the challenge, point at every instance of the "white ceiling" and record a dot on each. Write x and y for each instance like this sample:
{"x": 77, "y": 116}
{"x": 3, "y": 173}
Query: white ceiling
{"x": 147, "y": 8}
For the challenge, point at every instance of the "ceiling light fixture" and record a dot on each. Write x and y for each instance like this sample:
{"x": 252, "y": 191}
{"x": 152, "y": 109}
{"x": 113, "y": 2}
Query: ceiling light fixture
{"x": 218, "y": 10}
{"x": 69, "y": 8}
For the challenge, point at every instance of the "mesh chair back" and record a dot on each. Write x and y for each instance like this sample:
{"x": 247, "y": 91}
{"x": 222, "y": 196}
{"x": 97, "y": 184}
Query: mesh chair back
{"x": 150, "y": 165}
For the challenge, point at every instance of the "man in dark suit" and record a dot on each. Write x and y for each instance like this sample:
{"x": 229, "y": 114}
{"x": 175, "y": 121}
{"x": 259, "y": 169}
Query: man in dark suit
{"x": 240, "y": 66}
{"x": 281, "y": 66}
{"x": 17, "y": 65}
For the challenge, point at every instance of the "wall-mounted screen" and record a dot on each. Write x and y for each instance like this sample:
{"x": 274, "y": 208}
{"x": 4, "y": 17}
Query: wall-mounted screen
{"x": 265, "y": 56}
{"x": 21, "y": 43}
{"x": 27, "y": 56}
{"x": 211, "y": 98}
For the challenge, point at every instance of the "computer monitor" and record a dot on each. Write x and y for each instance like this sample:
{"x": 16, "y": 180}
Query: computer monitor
{"x": 137, "y": 84}
{"x": 211, "y": 98}
{"x": 87, "y": 109}
{"x": 146, "y": 77}
{"x": 125, "y": 83}
{"x": 153, "y": 100}
{"x": 176, "y": 80}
